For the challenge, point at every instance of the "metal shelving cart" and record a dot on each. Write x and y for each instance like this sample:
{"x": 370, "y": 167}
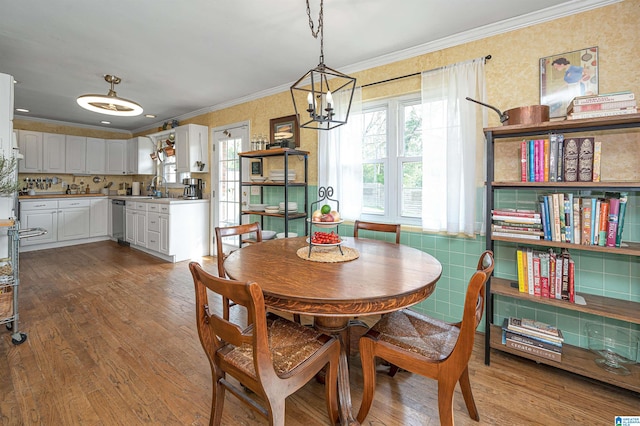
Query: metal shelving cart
{"x": 10, "y": 277}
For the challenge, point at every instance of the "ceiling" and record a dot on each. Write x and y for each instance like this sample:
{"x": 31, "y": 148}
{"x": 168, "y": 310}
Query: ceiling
{"x": 179, "y": 58}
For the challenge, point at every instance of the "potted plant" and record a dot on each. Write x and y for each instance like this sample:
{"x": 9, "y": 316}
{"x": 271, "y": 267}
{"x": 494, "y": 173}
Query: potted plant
{"x": 9, "y": 183}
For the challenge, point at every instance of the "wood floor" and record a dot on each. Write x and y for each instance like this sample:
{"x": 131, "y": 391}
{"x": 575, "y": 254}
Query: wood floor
{"x": 112, "y": 341}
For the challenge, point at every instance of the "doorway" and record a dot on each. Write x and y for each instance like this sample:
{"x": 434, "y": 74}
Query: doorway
{"x": 228, "y": 141}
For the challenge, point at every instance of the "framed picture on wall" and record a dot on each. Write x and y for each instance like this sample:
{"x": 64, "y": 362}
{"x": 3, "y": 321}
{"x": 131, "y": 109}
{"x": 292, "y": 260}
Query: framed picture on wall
{"x": 567, "y": 75}
{"x": 285, "y": 130}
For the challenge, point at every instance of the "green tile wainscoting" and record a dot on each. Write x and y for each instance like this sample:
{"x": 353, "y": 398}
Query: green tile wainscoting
{"x": 598, "y": 273}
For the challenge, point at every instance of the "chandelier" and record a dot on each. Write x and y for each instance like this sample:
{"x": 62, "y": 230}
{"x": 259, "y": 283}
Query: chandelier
{"x": 325, "y": 93}
{"x": 110, "y": 103}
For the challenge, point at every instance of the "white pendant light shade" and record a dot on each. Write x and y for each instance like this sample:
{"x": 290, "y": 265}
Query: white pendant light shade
{"x": 110, "y": 104}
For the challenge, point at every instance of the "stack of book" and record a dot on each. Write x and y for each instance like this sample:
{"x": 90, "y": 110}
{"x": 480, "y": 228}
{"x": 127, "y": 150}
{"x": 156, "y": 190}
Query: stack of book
{"x": 516, "y": 223}
{"x": 606, "y": 105}
{"x": 560, "y": 159}
{"x": 533, "y": 337}
{"x": 594, "y": 220}
{"x": 546, "y": 274}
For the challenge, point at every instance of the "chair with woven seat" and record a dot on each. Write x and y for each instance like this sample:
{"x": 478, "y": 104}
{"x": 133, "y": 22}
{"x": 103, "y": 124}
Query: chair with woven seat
{"x": 273, "y": 357}
{"x": 230, "y": 231}
{"x": 429, "y": 347}
{"x": 378, "y": 227}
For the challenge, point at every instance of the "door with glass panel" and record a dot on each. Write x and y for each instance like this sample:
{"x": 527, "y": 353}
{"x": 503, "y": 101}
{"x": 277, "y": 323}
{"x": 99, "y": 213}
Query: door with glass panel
{"x": 227, "y": 143}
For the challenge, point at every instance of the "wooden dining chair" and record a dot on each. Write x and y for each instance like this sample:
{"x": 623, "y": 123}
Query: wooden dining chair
{"x": 378, "y": 227}
{"x": 230, "y": 231}
{"x": 429, "y": 347}
{"x": 273, "y": 357}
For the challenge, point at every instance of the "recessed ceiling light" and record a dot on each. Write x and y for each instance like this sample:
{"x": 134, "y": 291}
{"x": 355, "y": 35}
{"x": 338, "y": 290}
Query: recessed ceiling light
{"x": 105, "y": 122}
{"x": 22, "y": 110}
{"x": 150, "y": 116}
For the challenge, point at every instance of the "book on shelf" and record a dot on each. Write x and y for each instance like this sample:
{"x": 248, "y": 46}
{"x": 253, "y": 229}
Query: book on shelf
{"x": 570, "y": 160}
{"x": 625, "y": 95}
{"x": 597, "y": 157}
{"x": 621, "y": 214}
{"x": 544, "y": 274}
{"x": 523, "y": 161}
{"x": 527, "y": 236}
{"x": 534, "y": 350}
{"x": 560, "y": 173}
{"x": 520, "y": 266}
{"x": 601, "y": 106}
{"x": 553, "y": 157}
{"x": 532, "y": 327}
{"x": 555, "y": 227}
{"x": 568, "y": 214}
{"x": 612, "y": 226}
{"x": 585, "y": 159}
{"x": 529, "y": 264}
{"x": 604, "y": 113}
{"x": 528, "y": 226}
{"x": 558, "y": 284}
{"x": 546, "y": 164}
{"x": 603, "y": 222}
{"x": 532, "y": 161}
{"x": 577, "y": 221}
{"x": 516, "y": 212}
{"x": 564, "y": 289}
{"x": 572, "y": 274}
{"x": 552, "y": 274}
{"x": 586, "y": 221}
{"x": 537, "y": 283}
{"x": 516, "y": 219}
{"x": 528, "y": 339}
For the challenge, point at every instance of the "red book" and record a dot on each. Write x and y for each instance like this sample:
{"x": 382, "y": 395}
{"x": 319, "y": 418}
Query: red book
{"x": 572, "y": 273}
{"x": 612, "y": 230}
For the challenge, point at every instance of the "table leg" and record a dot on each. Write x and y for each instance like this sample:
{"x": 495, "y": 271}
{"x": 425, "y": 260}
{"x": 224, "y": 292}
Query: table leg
{"x": 338, "y": 327}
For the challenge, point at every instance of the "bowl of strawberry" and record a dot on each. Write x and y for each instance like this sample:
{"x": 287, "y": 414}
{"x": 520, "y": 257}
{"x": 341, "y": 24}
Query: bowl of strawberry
{"x": 325, "y": 238}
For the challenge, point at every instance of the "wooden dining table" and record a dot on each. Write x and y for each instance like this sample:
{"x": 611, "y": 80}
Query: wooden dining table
{"x": 385, "y": 277}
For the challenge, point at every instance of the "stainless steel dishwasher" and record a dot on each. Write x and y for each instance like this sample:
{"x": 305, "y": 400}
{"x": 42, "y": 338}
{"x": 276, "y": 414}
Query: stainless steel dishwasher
{"x": 118, "y": 221}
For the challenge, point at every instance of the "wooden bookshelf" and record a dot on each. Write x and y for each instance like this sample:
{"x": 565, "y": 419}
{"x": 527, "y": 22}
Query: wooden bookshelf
{"x": 609, "y": 307}
{"x": 576, "y": 360}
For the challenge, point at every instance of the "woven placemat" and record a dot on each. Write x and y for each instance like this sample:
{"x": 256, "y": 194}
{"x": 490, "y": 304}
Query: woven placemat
{"x": 328, "y": 254}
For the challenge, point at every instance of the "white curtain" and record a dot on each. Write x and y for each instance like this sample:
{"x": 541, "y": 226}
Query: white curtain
{"x": 340, "y": 157}
{"x": 450, "y": 133}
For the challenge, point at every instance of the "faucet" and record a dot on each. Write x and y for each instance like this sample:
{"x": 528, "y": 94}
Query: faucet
{"x": 154, "y": 184}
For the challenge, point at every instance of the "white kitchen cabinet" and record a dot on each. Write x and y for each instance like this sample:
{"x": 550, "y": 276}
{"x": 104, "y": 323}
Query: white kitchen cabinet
{"x": 53, "y": 153}
{"x": 67, "y": 221}
{"x": 136, "y": 223}
{"x": 192, "y": 148}
{"x": 96, "y": 163}
{"x": 139, "y": 160}
{"x": 116, "y": 157}
{"x": 76, "y": 154}
{"x": 39, "y": 214}
{"x": 164, "y": 233}
{"x": 43, "y": 152}
{"x": 99, "y": 212}
{"x": 30, "y": 146}
{"x": 73, "y": 219}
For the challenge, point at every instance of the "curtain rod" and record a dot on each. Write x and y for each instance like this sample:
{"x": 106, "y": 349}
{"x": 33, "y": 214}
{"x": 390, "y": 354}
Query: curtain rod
{"x": 486, "y": 58}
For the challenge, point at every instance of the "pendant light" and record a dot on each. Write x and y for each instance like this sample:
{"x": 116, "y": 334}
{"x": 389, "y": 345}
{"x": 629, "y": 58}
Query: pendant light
{"x": 319, "y": 87}
{"x": 110, "y": 104}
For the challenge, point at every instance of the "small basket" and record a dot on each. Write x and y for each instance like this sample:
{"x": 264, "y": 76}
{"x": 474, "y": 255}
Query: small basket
{"x": 6, "y": 302}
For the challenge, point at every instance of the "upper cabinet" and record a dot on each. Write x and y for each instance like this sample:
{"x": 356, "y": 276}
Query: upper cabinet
{"x": 192, "y": 148}
{"x": 116, "y": 157}
{"x": 96, "y": 163}
{"x": 139, "y": 161}
{"x": 43, "y": 152}
{"x": 76, "y": 154}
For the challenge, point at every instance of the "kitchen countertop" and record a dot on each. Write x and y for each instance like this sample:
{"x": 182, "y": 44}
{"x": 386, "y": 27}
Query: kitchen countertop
{"x": 141, "y": 198}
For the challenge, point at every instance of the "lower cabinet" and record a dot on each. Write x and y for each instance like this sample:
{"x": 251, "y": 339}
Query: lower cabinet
{"x": 175, "y": 231}
{"x": 136, "y": 223}
{"x": 73, "y": 219}
{"x": 67, "y": 221}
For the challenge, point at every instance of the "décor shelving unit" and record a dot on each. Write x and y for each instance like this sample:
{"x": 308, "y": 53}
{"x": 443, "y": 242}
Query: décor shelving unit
{"x": 574, "y": 359}
{"x": 286, "y": 154}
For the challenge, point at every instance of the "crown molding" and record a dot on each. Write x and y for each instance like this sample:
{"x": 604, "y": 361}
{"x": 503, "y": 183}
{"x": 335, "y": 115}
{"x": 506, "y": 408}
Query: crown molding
{"x": 549, "y": 14}
{"x": 66, "y": 123}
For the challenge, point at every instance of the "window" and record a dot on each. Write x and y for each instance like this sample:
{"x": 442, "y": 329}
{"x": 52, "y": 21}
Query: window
{"x": 392, "y": 160}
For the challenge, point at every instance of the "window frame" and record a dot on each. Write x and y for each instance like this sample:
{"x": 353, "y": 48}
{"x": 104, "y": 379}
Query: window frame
{"x": 395, "y": 158}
